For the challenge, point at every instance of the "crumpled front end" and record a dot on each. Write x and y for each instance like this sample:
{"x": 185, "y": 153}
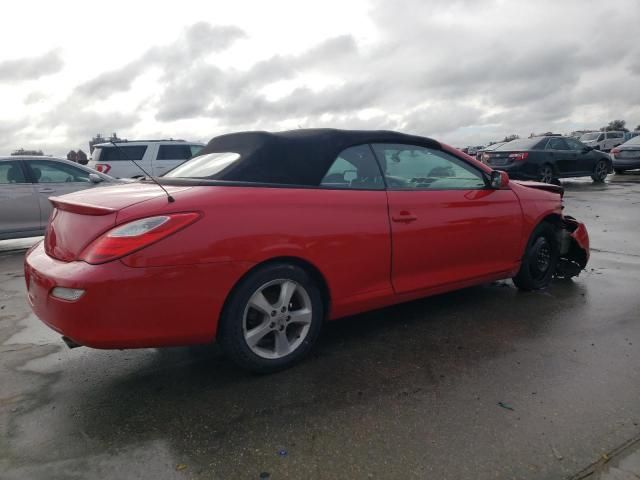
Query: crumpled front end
{"x": 574, "y": 248}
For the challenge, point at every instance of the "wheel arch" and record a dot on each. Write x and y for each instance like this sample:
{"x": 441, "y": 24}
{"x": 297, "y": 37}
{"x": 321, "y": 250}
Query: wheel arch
{"x": 311, "y": 269}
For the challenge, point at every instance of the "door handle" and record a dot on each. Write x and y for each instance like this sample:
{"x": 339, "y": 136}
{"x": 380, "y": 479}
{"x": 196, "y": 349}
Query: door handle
{"x": 404, "y": 217}
{"x": 46, "y": 190}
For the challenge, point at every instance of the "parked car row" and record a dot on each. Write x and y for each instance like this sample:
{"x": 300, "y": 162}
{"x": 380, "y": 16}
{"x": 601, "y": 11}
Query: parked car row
{"x": 548, "y": 158}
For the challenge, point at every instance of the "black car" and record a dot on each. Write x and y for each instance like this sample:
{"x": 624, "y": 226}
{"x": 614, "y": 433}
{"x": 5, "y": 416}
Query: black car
{"x": 548, "y": 158}
{"x": 627, "y": 156}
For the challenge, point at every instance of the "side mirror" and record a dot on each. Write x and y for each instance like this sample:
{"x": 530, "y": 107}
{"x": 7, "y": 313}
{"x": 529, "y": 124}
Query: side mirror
{"x": 499, "y": 180}
{"x": 93, "y": 178}
{"x": 350, "y": 175}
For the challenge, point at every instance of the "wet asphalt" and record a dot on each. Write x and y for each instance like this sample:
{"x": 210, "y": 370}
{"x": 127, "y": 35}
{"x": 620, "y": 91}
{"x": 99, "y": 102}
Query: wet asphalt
{"x": 486, "y": 382}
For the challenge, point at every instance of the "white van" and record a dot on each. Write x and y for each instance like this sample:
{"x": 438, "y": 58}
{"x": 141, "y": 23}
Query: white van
{"x": 603, "y": 141}
{"x": 157, "y": 157}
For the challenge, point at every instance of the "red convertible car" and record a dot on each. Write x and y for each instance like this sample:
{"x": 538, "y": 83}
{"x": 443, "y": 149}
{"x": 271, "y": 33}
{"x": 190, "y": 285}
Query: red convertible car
{"x": 264, "y": 236}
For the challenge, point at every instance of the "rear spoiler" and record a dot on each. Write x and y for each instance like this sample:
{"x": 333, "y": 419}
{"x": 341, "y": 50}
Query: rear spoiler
{"x": 81, "y": 208}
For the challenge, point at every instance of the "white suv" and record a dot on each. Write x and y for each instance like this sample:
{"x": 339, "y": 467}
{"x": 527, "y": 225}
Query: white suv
{"x": 157, "y": 157}
{"x": 603, "y": 141}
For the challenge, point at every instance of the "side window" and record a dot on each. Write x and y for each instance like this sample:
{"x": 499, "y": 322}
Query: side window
{"x": 615, "y": 135}
{"x": 574, "y": 144}
{"x": 413, "y": 167}
{"x": 556, "y": 143}
{"x": 11, "y": 172}
{"x": 195, "y": 150}
{"x": 600, "y": 138}
{"x": 56, "y": 172}
{"x": 110, "y": 154}
{"x": 174, "y": 152}
{"x": 354, "y": 168}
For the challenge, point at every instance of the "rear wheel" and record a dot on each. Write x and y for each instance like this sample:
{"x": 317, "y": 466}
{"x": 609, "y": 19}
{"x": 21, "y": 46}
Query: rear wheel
{"x": 540, "y": 259}
{"x": 600, "y": 171}
{"x": 272, "y": 319}
{"x": 545, "y": 174}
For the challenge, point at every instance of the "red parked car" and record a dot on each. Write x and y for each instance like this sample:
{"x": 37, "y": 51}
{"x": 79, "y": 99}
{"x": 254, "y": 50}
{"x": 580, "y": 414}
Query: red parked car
{"x": 264, "y": 236}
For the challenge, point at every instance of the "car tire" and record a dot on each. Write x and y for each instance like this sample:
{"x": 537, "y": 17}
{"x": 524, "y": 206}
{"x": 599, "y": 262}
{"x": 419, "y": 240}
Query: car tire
{"x": 620, "y": 171}
{"x": 540, "y": 259}
{"x": 262, "y": 332}
{"x": 600, "y": 171}
{"x": 546, "y": 173}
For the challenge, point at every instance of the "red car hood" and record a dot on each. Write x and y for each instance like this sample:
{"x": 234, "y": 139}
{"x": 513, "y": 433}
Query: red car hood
{"x": 541, "y": 186}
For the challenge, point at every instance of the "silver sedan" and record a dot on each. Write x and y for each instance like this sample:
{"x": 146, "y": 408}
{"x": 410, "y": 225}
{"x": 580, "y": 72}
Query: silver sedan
{"x": 26, "y": 183}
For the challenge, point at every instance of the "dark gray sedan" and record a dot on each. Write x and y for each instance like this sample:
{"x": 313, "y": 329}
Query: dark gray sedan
{"x": 626, "y": 156}
{"x": 26, "y": 183}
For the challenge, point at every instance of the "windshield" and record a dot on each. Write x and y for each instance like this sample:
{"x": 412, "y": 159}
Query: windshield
{"x": 589, "y": 136}
{"x": 520, "y": 144}
{"x": 204, "y": 166}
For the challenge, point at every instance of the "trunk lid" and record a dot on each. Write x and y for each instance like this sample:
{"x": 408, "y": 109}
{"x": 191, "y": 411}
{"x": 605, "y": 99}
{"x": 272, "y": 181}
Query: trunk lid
{"x": 499, "y": 159}
{"x": 79, "y": 218}
{"x": 628, "y": 152}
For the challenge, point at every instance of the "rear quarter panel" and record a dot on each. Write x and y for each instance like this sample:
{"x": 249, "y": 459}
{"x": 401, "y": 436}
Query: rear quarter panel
{"x": 345, "y": 234}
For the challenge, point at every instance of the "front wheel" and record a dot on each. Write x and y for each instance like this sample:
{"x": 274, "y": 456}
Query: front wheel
{"x": 539, "y": 260}
{"x": 600, "y": 171}
{"x": 272, "y": 319}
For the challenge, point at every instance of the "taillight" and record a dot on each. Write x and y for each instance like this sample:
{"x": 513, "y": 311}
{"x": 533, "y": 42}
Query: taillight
{"x": 103, "y": 167}
{"x": 615, "y": 151}
{"x": 130, "y": 237}
{"x": 519, "y": 156}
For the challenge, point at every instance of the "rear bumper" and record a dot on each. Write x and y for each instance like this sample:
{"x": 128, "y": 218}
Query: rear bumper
{"x": 126, "y": 307}
{"x": 627, "y": 163}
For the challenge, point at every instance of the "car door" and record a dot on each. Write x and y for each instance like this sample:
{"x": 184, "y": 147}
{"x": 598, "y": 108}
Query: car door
{"x": 54, "y": 178}
{"x": 585, "y": 157}
{"x": 19, "y": 206}
{"x": 561, "y": 157}
{"x": 447, "y": 226}
{"x": 169, "y": 157}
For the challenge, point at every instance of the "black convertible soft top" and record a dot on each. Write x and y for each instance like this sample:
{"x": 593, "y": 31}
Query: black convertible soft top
{"x": 300, "y": 157}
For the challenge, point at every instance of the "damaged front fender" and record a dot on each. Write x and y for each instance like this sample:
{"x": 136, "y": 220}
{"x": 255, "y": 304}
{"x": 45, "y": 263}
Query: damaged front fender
{"x": 573, "y": 240}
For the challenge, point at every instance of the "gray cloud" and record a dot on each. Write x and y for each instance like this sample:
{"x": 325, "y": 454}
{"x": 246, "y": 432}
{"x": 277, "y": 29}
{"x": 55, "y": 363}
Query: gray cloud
{"x": 196, "y": 41}
{"x": 458, "y": 70}
{"x": 30, "y": 68}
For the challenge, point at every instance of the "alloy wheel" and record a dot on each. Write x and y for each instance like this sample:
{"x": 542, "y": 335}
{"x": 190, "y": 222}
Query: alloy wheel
{"x": 277, "y": 318}
{"x": 546, "y": 174}
{"x": 602, "y": 170}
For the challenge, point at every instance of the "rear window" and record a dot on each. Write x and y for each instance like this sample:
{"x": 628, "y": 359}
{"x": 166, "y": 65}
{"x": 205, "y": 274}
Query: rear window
{"x": 174, "y": 152}
{"x": 110, "y": 154}
{"x": 209, "y": 166}
{"x": 522, "y": 144}
{"x": 634, "y": 141}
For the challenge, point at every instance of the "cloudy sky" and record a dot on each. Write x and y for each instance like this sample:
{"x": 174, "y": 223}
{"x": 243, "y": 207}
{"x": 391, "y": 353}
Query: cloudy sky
{"x": 464, "y": 72}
